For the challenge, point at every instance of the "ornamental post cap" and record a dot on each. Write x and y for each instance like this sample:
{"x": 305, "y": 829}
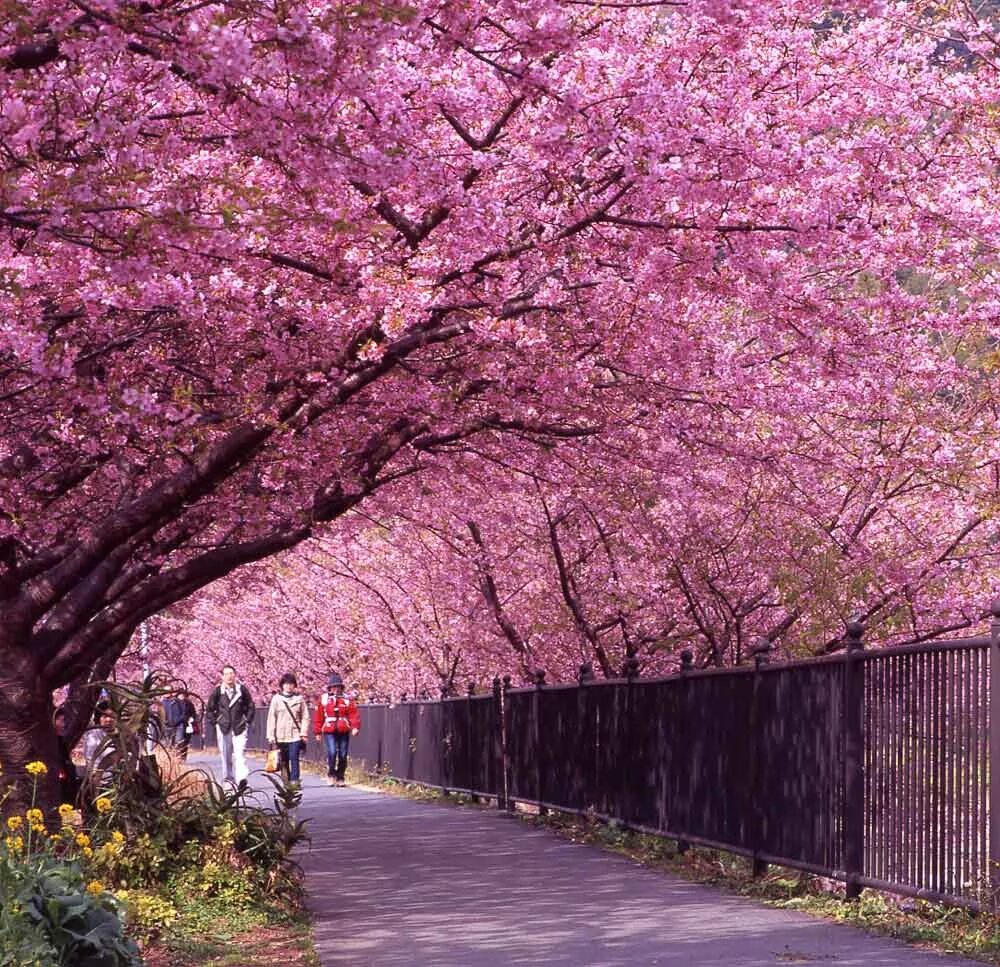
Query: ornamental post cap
{"x": 855, "y": 629}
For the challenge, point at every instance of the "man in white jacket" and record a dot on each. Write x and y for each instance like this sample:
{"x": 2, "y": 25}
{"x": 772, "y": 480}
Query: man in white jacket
{"x": 230, "y": 710}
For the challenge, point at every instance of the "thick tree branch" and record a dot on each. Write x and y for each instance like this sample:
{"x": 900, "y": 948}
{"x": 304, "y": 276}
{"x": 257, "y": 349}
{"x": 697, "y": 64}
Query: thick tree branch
{"x": 159, "y": 592}
{"x": 488, "y": 587}
{"x": 571, "y": 597}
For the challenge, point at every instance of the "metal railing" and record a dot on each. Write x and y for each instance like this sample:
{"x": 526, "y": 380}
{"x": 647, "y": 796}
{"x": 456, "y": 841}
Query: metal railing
{"x": 871, "y": 767}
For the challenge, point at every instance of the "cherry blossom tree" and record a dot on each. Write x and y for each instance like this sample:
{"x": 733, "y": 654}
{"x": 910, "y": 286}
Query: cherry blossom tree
{"x": 262, "y": 263}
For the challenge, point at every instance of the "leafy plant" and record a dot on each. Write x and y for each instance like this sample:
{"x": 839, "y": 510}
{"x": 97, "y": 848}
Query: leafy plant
{"x": 50, "y": 916}
{"x": 81, "y": 922}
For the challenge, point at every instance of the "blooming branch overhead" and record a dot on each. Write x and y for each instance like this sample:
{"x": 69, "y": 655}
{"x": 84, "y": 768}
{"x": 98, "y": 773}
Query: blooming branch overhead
{"x": 262, "y": 263}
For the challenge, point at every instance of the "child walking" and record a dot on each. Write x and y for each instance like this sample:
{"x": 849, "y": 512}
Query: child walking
{"x": 336, "y": 720}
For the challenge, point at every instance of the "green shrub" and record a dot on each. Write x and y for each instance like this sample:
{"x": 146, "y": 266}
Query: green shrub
{"x": 157, "y": 846}
{"x": 50, "y": 916}
{"x": 82, "y": 922}
{"x": 147, "y": 914}
{"x": 173, "y": 834}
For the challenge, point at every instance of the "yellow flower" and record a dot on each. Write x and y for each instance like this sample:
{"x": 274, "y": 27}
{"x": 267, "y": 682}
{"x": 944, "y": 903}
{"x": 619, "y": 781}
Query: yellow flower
{"x": 36, "y": 768}
{"x": 95, "y": 886}
{"x": 117, "y": 838}
{"x": 103, "y": 804}
{"x": 66, "y": 810}
{"x": 121, "y": 894}
{"x": 82, "y": 839}
{"x": 34, "y": 816}
{"x": 14, "y": 823}
{"x": 88, "y": 852}
{"x": 38, "y": 827}
{"x": 72, "y": 818}
{"x": 12, "y": 844}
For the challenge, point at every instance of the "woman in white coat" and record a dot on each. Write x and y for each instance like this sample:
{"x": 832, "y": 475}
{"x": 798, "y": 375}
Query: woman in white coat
{"x": 288, "y": 725}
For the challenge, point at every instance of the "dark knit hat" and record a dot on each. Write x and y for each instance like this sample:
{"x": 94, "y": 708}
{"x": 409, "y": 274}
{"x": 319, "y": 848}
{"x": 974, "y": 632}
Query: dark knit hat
{"x": 334, "y": 680}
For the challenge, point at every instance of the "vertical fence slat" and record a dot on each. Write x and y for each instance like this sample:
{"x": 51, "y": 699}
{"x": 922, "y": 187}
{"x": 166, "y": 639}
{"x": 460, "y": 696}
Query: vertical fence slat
{"x": 884, "y": 737}
{"x": 854, "y": 789}
{"x": 930, "y": 789}
{"x": 994, "y": 757}
{"x": 953, "y": 883}
{"x": 982, "y": 745}
{"x": 964, "y": 767}
{"x": 923, "y": 752}
{"x": 755, "y": 812}
{"x": 897, "y": 765}
{"x": 874, "y": 710}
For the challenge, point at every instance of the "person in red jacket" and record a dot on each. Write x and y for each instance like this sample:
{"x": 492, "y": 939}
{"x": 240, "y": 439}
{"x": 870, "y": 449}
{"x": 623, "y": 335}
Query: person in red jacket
{"x": 336, "y": 720}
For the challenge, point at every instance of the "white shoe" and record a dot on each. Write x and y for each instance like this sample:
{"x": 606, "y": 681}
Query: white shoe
{"x": 330, "y": 780}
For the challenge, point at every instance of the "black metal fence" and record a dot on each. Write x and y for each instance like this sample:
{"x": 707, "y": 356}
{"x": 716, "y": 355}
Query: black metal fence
{"x": 868, "y": 767}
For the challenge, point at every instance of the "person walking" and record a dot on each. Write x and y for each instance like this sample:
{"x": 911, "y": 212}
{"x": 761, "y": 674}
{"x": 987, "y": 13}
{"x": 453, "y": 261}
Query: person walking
{"x": 288, "y": 725}
{"x": 230, "y": 712}
{"x": 69, "y": 778}
{"x": 185, "y": 719}
{"x": 336, "y": 720}
{"x": 100, "y": 751}
{"x": 171, "y": 711}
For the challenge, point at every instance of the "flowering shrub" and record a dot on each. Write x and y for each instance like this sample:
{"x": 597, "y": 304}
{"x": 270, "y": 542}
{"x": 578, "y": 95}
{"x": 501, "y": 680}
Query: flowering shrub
{"x": 148, "y": 913}
{"x": 146, "y": 847}
{"x": 53, "y": 912}
{"x": 215, "y": 844}
{"x": 192, "y": 838}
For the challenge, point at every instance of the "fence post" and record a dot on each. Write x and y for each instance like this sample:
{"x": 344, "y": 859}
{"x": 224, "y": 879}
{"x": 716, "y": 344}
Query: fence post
{"x": 470, "y": 751}
{"x": 446, "y": 743}
{"x": 630, "y": 667}
{"x": 584, "y": 763}
{"x": 412, "y": 737}
{"x": 500, "y": 742}
{"x": 498, "y": 752}
{"x": 687, "y": 665}
{"x": 539, "y": 675}
{"x": 505, "y": 722}
{"x": 629, "y": 753}
{"x": 761, "y": 656}
{"x": 854, "y": 776}
{"x": 994, "y": 753}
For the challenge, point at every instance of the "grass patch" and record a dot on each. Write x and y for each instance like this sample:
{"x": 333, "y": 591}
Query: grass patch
{"x": 948, "y": 929}
{"x": 210, "y": 933}
{"x": 410, "y": 790}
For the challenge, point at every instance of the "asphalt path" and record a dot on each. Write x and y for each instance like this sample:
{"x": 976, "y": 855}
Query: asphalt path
{"x": 397, "y": 883}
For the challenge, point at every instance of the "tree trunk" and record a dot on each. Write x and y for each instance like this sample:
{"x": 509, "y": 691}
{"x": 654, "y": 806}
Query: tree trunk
{"x": 27, "y": 731}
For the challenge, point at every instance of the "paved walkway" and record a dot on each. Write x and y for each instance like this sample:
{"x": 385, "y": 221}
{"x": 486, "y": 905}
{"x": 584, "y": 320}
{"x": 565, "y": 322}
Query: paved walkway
{"x": 395, "y": 883}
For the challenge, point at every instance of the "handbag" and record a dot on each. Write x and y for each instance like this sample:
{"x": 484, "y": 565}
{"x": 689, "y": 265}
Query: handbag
{"x": 273, "y": 762}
